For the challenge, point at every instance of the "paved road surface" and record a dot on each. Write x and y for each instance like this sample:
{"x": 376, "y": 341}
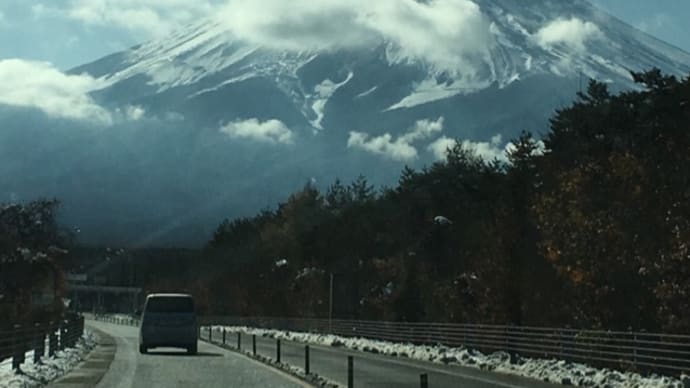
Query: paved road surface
{"x": 372, "y": 370}
{"x": 170, "y": 368}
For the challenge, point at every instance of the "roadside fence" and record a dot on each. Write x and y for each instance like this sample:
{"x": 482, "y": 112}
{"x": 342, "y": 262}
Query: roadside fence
{"x": 41, "y": 339}
{"x": 641, "y": 352}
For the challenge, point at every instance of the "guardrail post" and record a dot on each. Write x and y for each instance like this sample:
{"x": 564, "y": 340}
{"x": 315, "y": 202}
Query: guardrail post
{"x": 210, "y": 334}
{"x": 81, "y": 326}
{"x": 77, "y": 328}
{"x": 63, "y": 336}
{"x": 239, "y": 340}
{"x": 306, "y": 359}
{"x": 423, "y": 380}
{"x": 635, "y": 351}
{"x": 480, "y": 338}
{"x": 350, "y": 372}
{"x": 505, "y": 339}
{"x": 254, "y": 344}
{"x": 66, "y": 334}
{"x": 590, "y": 346}
{"x": 38, "y": 340}
{"x": 278, "y": 350}
{"x": 17, "y": 349}
{"x": 74, "y": 332}
{"x": 52, "y": 339}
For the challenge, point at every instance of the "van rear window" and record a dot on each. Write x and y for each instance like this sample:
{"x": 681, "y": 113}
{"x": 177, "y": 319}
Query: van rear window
{"x": 170, "y": 305}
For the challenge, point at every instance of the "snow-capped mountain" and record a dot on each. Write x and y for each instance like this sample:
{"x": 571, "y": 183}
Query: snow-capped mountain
{"x": 225, "y": 117}
{"x": 195, "y": 69}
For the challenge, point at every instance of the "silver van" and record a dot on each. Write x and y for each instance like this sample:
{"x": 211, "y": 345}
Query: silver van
{"x": 168, "y": 320}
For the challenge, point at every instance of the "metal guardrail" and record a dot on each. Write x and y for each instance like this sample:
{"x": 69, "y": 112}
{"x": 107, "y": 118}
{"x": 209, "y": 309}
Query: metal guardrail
{"x": 628, "y": 351}
{"x": 116, "y": 319}
{"x": 18, "y": 340}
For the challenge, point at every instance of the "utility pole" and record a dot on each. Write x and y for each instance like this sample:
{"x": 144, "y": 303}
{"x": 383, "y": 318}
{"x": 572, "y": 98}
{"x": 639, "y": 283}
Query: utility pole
{"x": 330, "y": 306}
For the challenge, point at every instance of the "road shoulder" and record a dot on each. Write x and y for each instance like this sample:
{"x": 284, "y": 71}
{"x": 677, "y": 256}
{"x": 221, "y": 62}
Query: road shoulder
{"x": 90, "y": 371}
{"x": 284, "y": 370}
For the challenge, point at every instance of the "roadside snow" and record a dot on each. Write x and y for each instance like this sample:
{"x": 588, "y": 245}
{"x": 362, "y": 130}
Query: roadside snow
{"x": 550, "y": 370}
{"x": 48, "y": 369}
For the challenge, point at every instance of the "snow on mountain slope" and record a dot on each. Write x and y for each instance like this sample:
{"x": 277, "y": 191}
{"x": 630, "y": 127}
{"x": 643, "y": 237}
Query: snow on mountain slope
{"x": 546, "y": 37}
{"x": 323, "y": 92}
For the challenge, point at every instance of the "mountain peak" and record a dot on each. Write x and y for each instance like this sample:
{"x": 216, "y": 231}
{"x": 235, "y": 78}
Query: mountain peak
{"x": 461, "y": 46}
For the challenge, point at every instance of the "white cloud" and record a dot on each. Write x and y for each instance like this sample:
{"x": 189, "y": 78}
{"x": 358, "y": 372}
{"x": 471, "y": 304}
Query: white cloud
{"x": 441, "y": 146}
{"x": 135, "y": 112}
{"x": 399, "y": 149}
{"x": 447, "y": 33}
{"x": 572, "y": 32}
{"x": 40, "y": 10}
{"x": 486, "y": 150}
{"x": 131, "y": 113}
{"x": 271, "y": 131}
{"x": 423, "y": 129}
{"x": 450, "y": 34}
{"x": 383, "y": 145}
{"x": 152, "y": 18}
{"x": 42, "y": 86}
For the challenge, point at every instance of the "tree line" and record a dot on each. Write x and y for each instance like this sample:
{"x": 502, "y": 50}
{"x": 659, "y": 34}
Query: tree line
{"x": 31, "y": 245}
{"x": 588, "y": 227}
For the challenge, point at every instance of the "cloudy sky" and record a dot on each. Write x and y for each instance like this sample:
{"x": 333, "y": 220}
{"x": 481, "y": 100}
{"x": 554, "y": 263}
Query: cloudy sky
{"x": 68, "y": 33}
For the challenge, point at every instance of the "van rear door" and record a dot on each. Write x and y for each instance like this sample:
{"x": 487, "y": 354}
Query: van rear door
{"x": 169, "y": 311}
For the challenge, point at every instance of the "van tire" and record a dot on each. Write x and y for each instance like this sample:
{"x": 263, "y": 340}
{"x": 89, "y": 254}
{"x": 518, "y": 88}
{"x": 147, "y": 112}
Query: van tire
{"x": 143, "y": 349}
{"x": 192, "y": 350}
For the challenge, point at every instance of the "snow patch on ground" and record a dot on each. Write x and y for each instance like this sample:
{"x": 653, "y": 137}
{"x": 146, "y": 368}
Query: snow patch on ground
{"x": 49, "y": 368}
{"x": 550, "y": 370}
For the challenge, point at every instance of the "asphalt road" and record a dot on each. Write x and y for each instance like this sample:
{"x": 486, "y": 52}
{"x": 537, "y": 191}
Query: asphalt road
{"x": 169, "y": 368}
{"x": 372, "y": 370}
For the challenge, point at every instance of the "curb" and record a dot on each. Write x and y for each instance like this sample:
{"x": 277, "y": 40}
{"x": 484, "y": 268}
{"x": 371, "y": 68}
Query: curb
{"x": 96, "y": 364}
